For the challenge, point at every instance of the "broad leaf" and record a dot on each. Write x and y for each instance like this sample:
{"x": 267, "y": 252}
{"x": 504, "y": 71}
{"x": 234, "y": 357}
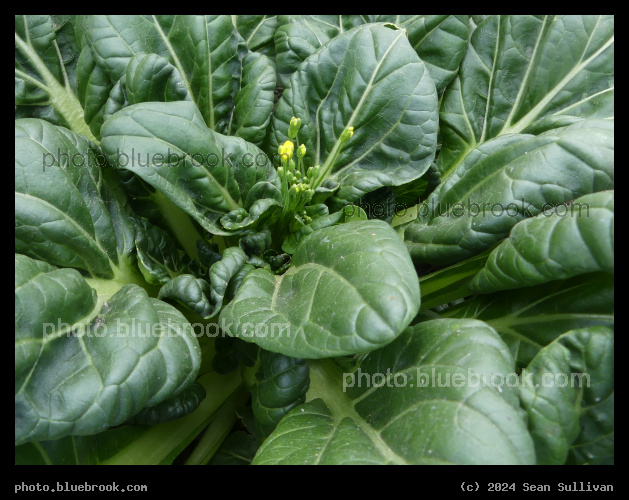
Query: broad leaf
{"x": 526, "y": 74}
{"x": 394, "y": 410}
{"x": 505, "y": 180}
{"x": 205, "y": 64}
{"x": 531, "y": 318}
{"x": 258, "y": 32}
{"x": 554, "y": 245}
{"x": 369, "y": 78}
{"x": 46, "y": 56}
{"x": 95, "y": 367}
{"x": 351, "y": 288}
{"x": 571, "y": 387}
{"x": 169, "y": 146}
{"x": 440, "y": 41}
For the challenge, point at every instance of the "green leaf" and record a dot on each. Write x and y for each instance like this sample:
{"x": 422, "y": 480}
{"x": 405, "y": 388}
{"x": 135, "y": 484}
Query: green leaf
{"x": 527, "y": 74}
{"x": 440, "y": 41}
{"x": 450, "y": 283}
{"x": 198, "y": 58}
{"x": 238, "y": 449}
{"x": 135, "y": 444}
{"x": 173, "y": 408}
{"x": 98, "y": 364}
{"x": 300, "y": 36}
{"x": 579, "y": 394}
{"x": 190, "y": 292}
{"x": 351, "y": 288}
{"x": 254, "y": 101}
{"x": 369, "y": 78}
{"x": 292, "y": 240}
{"x": 93, "y": 88}
{"x": 554, "y": 245}
{"x": 206, "y": 299}
{"x": 505, "y": 180}
{"x": 159, "y": 257}
{"x": 283, "y": 383}
{"x": 150, "y": 77}
{"x": 258, "y": 32}
{"x": 46, "y": 56}
{"x": 169, "y": 146}
{"x": 405, "y": 416}
{"x": 531, "y": 318}
{"x": 59, "y": 214}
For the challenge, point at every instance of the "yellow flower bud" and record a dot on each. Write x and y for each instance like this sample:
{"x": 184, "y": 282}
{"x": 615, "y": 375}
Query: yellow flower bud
{"x": 286, "y": 150}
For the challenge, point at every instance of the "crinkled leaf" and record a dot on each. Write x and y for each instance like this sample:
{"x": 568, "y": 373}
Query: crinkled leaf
{"x": 159, "y": 257}
{"x": 206, "y": 299}
{"x": 173, "y": 408}
{"x": 114, "y": 359}
{"x": 282, "y": 385}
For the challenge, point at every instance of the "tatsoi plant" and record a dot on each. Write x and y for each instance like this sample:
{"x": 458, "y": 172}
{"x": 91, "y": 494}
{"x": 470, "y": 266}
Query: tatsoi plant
{"x": 314, "y": 239}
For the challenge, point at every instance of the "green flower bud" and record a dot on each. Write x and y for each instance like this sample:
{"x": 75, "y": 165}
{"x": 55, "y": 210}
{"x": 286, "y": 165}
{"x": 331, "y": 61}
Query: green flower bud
{"x": 295, "y": 124}
{"x": 301, "y": 151}
{"x": 291, "y": 165}
{"x": 347, "y": 134}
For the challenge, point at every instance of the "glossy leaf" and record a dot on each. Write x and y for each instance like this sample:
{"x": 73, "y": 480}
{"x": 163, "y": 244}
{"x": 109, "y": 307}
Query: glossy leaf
{"x": 369, "y": 78}
{"x": 440, "y": 41}
{"x": 59, "y": 214}
{"x": 283, "y": 383}
{"x": 176, "y": 407}
{"x": 350, "y": 288}
{"x": 531, "y": 318}
{"x": 102, "y": 368}
{"x": 527, "y": 74}
{"x": 46, "y": 56}
{"x": 553, "y": 245}
{"x": 258, "y": 32}
{"x": 406, "y": 417}
{"x": 579, "y": 393}
{"x": 506, "y": 180}
{"x": 169, "y": 146}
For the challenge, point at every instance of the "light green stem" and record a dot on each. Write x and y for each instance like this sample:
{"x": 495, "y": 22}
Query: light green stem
{"x": 160, "y": 444}
{"x": 64, "y": 101}
{"x": 218, "y": 430}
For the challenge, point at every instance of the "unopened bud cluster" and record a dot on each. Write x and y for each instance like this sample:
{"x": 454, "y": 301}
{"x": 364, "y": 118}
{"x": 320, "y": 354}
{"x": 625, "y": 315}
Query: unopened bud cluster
{"x": 299, "y": 184}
